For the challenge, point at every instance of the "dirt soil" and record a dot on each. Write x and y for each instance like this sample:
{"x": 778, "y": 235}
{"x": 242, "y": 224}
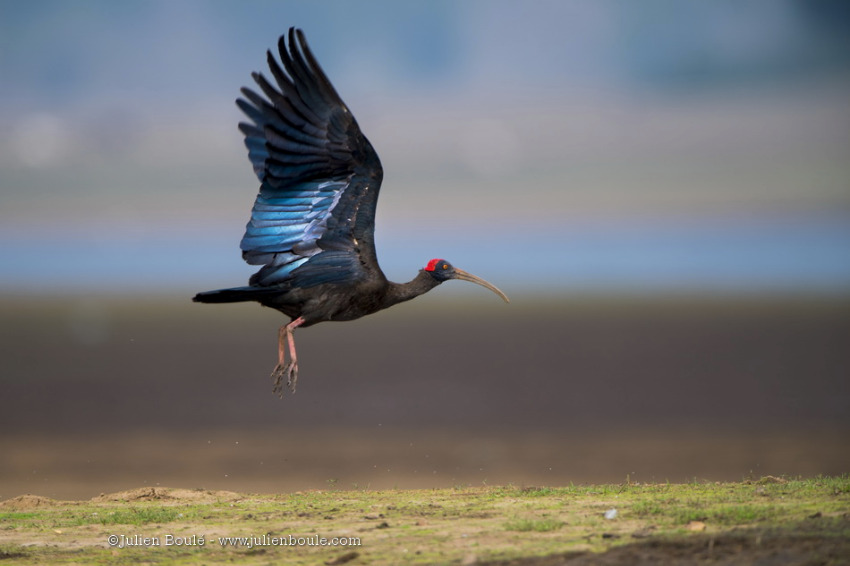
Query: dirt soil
{"x": 721, "y": 550}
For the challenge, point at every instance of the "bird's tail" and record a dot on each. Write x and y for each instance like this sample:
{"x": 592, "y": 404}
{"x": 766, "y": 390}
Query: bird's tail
{"x": 234, "y": 295}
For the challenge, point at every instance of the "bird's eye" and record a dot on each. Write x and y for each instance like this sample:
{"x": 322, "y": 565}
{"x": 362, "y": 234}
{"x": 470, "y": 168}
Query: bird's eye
{"x": 445, "y": 266}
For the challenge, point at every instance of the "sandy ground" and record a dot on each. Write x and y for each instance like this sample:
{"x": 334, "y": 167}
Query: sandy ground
{"x": 100, "y": 395}
{"x": 70, "y": 466}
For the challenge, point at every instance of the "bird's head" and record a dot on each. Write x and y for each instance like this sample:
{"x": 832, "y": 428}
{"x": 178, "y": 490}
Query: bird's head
{"x": 442, "y": 270}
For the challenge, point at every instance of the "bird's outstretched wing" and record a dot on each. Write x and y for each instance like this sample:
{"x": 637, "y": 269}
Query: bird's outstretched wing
{"x": 314, "y": 219}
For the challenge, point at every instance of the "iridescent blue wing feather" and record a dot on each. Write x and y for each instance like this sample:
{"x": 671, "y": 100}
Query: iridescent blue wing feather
{"x": 314, "y": 219}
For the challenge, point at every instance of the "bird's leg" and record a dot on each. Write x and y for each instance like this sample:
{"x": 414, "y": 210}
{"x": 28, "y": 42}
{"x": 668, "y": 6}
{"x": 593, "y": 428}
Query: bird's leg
{"x": 287, "y": 368}
{"x": 279, "y": 370}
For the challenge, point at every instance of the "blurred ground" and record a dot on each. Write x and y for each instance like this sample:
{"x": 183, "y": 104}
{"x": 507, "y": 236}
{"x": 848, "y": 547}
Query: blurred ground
{"x": 102, "y": 394}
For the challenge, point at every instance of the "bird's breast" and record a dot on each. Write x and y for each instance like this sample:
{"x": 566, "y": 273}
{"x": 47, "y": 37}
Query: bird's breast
{"x": 343, "y": 302}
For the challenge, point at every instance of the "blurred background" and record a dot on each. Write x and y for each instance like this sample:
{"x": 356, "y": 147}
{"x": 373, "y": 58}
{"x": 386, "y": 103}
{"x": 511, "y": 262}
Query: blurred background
{"x": 663, "y": 190}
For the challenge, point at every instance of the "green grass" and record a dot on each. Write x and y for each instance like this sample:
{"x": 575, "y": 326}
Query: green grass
{"x": 440, "y": 526}
{"x": 538, "y": 525}
{"x": 138, "y": 516}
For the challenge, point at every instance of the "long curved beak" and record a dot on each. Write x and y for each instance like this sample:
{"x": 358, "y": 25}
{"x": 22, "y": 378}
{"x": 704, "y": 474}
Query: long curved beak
{"x": 464, "y": 276}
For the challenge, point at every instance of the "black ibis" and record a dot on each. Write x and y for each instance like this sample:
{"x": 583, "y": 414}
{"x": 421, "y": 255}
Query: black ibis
{"x": 313, "y": 223}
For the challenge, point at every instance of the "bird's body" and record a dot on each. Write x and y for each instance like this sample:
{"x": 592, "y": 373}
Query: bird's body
{"x": 313, "y": 223}
{"x": 326, "y": 302}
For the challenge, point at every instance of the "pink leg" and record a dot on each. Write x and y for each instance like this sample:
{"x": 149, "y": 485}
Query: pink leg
{"x": 287, "y": 368}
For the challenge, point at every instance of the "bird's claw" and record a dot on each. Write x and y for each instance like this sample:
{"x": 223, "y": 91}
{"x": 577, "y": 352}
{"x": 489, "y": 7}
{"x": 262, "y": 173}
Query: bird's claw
{"x": 290, "y": 371}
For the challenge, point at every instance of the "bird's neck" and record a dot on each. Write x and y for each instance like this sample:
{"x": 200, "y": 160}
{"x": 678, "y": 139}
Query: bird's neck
{"x": 400, "y": 292}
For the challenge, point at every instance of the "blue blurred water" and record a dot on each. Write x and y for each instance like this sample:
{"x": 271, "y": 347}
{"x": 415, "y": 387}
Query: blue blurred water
{"x": 807, "y": 253}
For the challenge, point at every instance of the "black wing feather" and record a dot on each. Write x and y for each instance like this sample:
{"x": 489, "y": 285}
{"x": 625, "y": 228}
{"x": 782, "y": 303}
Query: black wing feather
{"x": 314, "y": 219}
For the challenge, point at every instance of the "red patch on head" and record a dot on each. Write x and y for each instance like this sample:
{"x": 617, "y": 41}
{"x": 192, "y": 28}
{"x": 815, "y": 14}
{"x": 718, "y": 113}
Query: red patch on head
{"x": 432, "y": 264}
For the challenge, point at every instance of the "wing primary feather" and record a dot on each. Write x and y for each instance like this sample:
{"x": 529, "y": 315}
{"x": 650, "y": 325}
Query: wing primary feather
{"x": 290, "y": 56}
{"x": 308, "y": 133}
{"x": 307, "y": 75}
{"x": 297, "y": 82}
{"x": 286, "y": 99}
{"x": 250, "y": 110}
{"x": 251, "y": 130}
{"x": 286, "y": 85}
{"x": 308, "y": 87}
{"x": 268, "y": 114}
{"x": 317, "y": 68}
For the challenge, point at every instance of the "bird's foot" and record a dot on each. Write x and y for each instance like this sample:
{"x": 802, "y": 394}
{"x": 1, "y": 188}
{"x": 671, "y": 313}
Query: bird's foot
{"x": 290, "y": 372}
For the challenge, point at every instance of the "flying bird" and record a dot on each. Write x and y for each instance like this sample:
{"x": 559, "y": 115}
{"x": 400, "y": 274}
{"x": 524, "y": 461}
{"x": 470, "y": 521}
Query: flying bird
{"x": 313, "y": 223}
